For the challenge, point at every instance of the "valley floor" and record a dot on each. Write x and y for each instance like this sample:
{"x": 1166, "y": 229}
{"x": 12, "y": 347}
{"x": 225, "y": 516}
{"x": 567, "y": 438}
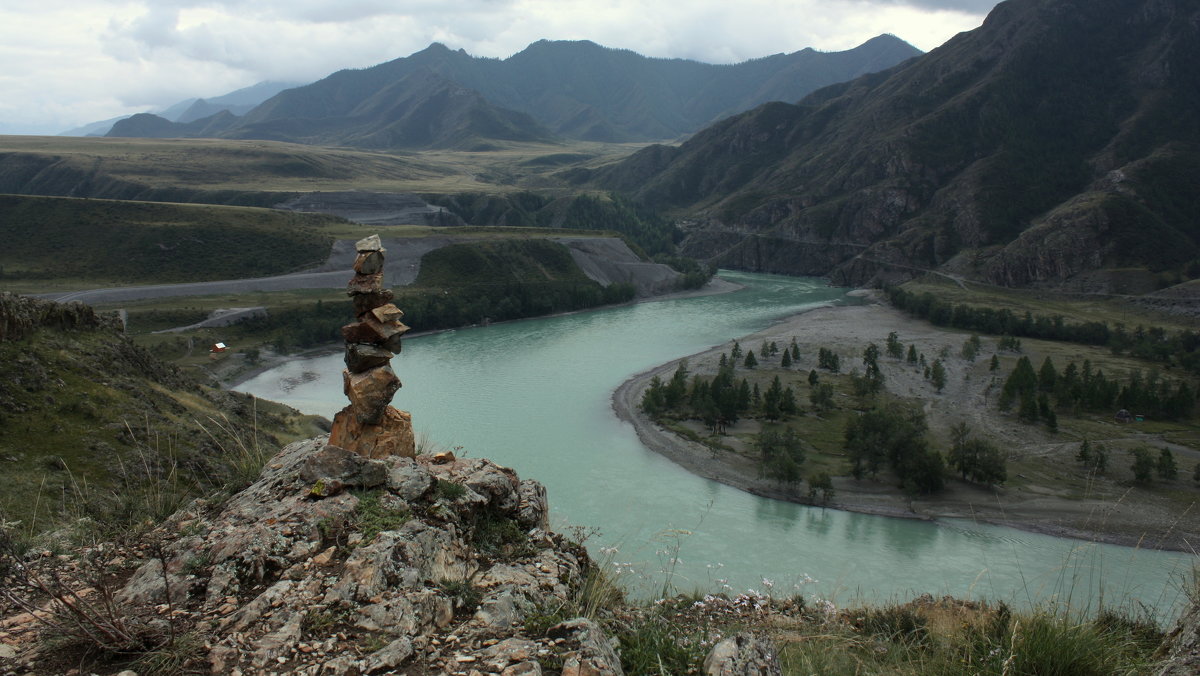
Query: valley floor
{"x": 1045, "y": 492}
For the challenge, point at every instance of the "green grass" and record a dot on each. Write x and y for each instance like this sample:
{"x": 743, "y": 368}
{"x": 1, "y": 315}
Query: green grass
{"x": 95, "y": 427}
{"x": 115, "y": 243}
{"x": 374, "y": 513}
{"x": 949, "y": 637}
{"x": 207, "y": 170}
{"x": 499, "y": 262}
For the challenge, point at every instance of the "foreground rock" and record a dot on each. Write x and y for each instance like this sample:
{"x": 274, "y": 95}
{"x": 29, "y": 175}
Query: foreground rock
{"x": 333, "y": 563}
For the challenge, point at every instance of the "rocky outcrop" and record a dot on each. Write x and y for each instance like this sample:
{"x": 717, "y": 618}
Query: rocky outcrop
{"x": 393, "y": 565}
{"x": 743, "y": 655}
{"x": 1182, "y": 645}
{"x": 22, "y": 315}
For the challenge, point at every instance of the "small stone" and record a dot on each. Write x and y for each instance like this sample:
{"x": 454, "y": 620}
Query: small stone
{"x": 392, "y": 436}
{"x": 372, "y": 243}
{"x": 365, "y": 302}
{"x": 365, "y": 284}
{"x": 373, "y": 332}
{"x": 388, "y": 313}
{"x": 443, "y": 457}
{"x": 742, "y": 654}
{"x": 390, "y": 656}
{"x": 324, "y": 557}
{"x": 523, "y": 669}
{"x": 370, "y": 392}
{"x": 325, "y": 487}
{"x": 369, "y": 263}
{"x": 361, "y": 357}
{"x": 333, "y": 463}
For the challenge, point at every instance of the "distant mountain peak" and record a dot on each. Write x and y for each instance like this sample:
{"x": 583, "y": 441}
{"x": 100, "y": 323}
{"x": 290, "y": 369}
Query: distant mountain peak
{"x": 572, "y": 88}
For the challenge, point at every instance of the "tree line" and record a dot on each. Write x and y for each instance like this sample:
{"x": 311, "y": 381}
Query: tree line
{"x": 1085, "y": 388}
{"x": 291, "y": 329}
{"x": 1153, "y": 343}
{"x": 884, "y": 436}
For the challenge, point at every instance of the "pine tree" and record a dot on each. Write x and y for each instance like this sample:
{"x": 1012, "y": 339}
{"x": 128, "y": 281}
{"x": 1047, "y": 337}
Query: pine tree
{"x": 822, "y": 482}
{"x": 937, "y": 375}
{"x": 813, "y": 378}
{"x": 795, "y": 350}
{"x": 1047, "y": 376}
{"x": 995, "y": 365}
{"x": 1143, "y": 465}
{"x": 894, "y": 349}
{"x": 1084, "y": 454}
{"x": 786, "y": 360}
{"x": 736, "y": 354}
{"x": 773, "y": 400}
{"x": 751, "y": 361}
{"x": 787, "y": 404}
{"x": 873, "y": 377}
{"x": 970, "y": 348}
{"x": 821, "y": 396}
{"x": 652, "y": 398}
{"x": 677, "y": 388}
{"x": 1167, "y": 470}
{"x": 911, "y": 357}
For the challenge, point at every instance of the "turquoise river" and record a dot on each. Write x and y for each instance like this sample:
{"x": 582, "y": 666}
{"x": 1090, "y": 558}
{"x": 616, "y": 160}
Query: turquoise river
{"x": 535, "y": 395}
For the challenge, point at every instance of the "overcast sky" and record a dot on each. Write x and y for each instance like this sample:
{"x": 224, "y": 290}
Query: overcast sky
{"x": 64, "y": 63}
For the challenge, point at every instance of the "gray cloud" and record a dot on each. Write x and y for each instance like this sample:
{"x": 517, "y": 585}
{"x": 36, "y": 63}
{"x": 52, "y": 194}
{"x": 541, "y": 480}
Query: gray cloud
{"x": 965, "y": 6}
{"x": 147, "y": 54}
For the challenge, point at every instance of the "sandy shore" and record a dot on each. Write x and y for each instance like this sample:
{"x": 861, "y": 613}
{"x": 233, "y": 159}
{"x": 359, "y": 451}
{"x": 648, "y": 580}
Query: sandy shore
{"x": 1111, "y": 514}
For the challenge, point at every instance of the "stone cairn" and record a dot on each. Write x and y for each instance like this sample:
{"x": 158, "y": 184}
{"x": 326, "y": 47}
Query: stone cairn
{"x": 370, "y": 426}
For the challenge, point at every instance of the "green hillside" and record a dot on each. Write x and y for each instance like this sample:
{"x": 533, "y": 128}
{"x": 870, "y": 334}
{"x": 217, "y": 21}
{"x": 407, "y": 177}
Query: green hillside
{"x": 118, "y": 242}
{"x": 95, "y": 426}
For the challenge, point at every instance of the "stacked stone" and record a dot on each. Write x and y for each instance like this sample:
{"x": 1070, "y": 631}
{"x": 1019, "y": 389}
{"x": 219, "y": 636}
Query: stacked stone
{"x": 370, "y": 426}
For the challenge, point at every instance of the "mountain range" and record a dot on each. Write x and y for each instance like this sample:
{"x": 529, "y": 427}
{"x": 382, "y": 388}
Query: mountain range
{"x": 573, "y": 89}
{"x": 1058, "y": 143}
{"x": 236, "y": 102}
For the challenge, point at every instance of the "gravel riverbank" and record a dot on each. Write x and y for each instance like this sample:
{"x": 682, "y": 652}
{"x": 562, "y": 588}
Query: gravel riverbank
{"x": 1111, "y": 514}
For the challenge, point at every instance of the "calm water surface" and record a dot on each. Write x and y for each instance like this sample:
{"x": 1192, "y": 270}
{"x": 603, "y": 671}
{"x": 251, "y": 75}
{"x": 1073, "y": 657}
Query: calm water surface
{"x": 535, "y": 395}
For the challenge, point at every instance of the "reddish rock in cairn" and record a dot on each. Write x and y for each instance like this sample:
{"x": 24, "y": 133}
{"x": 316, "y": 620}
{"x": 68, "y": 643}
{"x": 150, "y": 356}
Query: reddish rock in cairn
{"x": 369, "y": 426}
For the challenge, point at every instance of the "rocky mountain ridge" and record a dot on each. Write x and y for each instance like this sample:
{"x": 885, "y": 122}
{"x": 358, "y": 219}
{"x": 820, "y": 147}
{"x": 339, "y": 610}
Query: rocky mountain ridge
{"x": 237, "y": 102}
{"x": 438, "y": 98}
{"x": 1053, "y": 141}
